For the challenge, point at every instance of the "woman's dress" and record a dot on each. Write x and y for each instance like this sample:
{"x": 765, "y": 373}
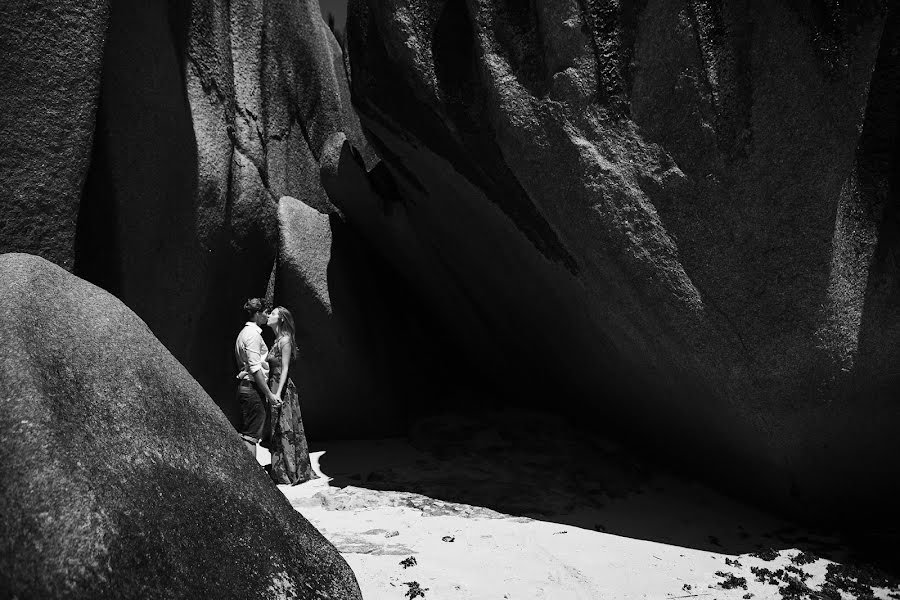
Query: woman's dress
{"x": 290, "y": 452}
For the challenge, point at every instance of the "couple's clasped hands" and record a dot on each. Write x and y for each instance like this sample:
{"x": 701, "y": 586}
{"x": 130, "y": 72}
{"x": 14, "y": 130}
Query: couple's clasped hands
{"x": 275, "y": 401}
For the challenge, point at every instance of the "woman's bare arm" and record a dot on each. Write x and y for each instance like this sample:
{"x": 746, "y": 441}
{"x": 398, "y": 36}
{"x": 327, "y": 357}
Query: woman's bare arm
{"x": 285, "y": 363}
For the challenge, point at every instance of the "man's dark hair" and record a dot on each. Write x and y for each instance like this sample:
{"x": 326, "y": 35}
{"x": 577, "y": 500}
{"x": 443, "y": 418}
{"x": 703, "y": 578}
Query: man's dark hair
{"x": 254, "y": 305}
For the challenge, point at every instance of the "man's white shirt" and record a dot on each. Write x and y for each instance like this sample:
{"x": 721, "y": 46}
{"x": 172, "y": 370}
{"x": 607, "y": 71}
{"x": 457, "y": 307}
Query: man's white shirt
{"x": 250, "y": 352}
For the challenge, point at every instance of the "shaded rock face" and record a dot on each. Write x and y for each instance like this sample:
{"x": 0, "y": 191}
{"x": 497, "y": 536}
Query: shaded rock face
{"x": 369, "y": 354}
{"x": 121, "y": 477}
{"x": 673, "y": 218}
{"x": 202, "y": 115}
{"x": 51, "y": 80}
{"x": 336, "y": 364}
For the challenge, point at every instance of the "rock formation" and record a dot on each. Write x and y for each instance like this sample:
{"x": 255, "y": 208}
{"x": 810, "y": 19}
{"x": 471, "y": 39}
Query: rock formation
{"x": 196, "y": 169}
{"x": 344, "y": 324}
{"x": 150, "y": 143}
{"x": 675, "y": 219}
{"x": 51, "y": 69}
{"x": 121, "y": 477}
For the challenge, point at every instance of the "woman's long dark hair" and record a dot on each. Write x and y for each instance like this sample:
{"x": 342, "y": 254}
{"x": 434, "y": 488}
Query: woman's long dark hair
{"x": 286, "y": 326}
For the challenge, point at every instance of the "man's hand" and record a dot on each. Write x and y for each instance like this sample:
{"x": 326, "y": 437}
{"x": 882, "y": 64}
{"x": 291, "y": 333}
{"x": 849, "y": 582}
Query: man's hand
{"x": 273, "y": 400}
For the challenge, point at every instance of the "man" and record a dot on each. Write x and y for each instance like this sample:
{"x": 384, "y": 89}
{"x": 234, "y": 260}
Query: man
{"x": 253, "y": 391}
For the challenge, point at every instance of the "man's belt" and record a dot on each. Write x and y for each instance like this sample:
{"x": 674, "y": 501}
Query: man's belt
{"x": 246, "y": 383}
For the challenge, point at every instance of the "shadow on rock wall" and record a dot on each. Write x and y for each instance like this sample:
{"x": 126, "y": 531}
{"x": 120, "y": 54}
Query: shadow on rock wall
{"x": 368, "y": 350}
{"x": 145, "y": 232}
{"x": 207, "y": 116}
{"x": 640, "y": 207}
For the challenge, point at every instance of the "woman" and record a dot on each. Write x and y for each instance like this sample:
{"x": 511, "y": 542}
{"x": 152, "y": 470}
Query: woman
{"x": 290, "y": 453}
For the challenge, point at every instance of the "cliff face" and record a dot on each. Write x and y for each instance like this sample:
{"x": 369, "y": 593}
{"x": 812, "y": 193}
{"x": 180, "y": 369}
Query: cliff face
{"x": 674, "y": 220}
{"x": 151, "y": 143}
{"x": 676, "y": 217}
{"x": 209, "y": 113}
{"x": 51, "y": 68}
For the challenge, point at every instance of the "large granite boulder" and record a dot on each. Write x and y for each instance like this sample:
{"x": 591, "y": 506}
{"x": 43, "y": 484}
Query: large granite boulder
{"x": 121, "y": 478}
{"x": 369, "y": 352}
{"x": 51, "y": 69}
{"x": 335, "y": 366}
{"x": 202, "y": 115}
{"x": 206, "y": 113}
{"x": 675, "y": 220}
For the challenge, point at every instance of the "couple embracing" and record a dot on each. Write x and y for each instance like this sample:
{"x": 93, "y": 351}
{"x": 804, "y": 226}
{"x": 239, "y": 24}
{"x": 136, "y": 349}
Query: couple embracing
{"x": 263, "y": 381}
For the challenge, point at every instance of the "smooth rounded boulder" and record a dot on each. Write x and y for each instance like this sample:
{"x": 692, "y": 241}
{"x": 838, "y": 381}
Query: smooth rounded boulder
{"x": 121, "y": 477}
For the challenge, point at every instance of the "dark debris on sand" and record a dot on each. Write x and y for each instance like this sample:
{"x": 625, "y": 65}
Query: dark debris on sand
{"x": 803, "y": 575}
{"x": 858, "y": 580}
{"x": 795, "y": 589}
{"x": 731, "y": 581}
{"x": 767, "y": 554}
{"x": 804, "y": 558}
{"x": 415, "y": 590}
{"x": 764, "y": 575}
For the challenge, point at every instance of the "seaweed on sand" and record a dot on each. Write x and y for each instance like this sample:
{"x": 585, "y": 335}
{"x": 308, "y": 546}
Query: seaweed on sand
{"x": 766, "y": 554}
{"x": 731, "y": 581}
{"x": 415, "y": 590}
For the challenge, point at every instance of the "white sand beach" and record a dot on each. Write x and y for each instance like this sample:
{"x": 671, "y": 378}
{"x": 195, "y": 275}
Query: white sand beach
{"x": 650, "y": 535}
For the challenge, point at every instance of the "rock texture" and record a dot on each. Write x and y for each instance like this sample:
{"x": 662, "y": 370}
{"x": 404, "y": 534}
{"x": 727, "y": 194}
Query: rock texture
{"x": 675, "y": 219}
{"x": 209, "y": 112}
{"x": 327, "y": 282}
{"x": 51, "y": 82}
{"x": 369, "y": 352}
{"x": 121, "y": 478}
{"x": 202, "y": 116}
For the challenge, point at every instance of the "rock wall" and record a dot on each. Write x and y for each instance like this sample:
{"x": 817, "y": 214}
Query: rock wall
{"x": 674, "y": 219}
{"x": 121, "y": 477}
{"x": 357, "y": 368}
{"x": 150, "y": 155}
{"x": 51, "y": 81}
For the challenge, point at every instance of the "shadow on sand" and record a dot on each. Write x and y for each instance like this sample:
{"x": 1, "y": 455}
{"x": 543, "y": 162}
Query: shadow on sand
{"x": 535, "y": 465}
